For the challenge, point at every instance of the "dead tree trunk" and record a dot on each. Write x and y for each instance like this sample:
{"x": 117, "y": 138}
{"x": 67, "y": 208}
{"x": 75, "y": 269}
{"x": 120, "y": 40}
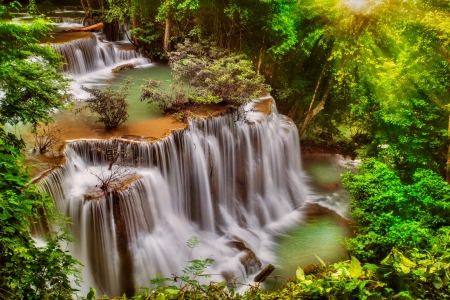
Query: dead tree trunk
{"x": 94, "y": 27}
{"x": 264, "y": 273}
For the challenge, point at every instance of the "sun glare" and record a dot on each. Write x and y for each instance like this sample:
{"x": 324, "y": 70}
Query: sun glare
{"x": 362, "y": 6}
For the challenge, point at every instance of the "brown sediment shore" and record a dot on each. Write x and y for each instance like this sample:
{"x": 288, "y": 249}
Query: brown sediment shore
{"x": 60, "y": 38}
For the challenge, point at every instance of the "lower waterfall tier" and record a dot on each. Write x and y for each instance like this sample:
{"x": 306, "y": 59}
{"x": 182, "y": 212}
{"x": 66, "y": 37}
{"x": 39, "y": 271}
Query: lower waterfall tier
{"x": 233, "y": 181}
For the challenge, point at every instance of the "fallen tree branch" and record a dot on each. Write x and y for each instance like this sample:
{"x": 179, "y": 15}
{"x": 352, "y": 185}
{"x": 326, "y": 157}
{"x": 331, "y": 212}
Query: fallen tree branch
{"x": 94, "y": 27}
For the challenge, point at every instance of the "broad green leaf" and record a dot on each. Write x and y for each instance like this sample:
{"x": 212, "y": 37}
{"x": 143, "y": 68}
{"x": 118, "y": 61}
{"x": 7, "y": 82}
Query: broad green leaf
{"x": 437, "y": 282}
{"x": 221, "y": 285}
{"x": 405, "y": 269}
{"x": 355, "y": 268}
{"x": 161, "y": 297}
{"x": 300, "y": 274}
{"x": 321, "y": 261}
{"x": 172, "y": 291}
{"x": 406, "y": 261}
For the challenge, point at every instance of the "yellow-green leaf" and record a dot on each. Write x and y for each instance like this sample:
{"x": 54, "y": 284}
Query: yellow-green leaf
{"x": 171, "y": 291}
{"x": 321, "y": 261}
{"x": 355, "y": 268}
{"x": 300, "y": 274}
{"x": 221, "y": 285}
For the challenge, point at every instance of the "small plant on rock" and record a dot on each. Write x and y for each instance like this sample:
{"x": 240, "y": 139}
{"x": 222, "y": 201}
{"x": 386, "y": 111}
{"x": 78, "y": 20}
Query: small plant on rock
{"x": 45, "y": 137}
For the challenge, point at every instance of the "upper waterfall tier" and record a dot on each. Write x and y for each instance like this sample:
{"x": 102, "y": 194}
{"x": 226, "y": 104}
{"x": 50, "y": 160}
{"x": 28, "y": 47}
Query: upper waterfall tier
{"x": 231, "y": 179}
{"x": 88, "y": 54}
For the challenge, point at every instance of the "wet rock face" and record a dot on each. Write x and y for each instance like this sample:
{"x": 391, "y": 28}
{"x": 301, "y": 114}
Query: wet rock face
{"x": 331, "y": 187}
{"x": 249, "y": 260}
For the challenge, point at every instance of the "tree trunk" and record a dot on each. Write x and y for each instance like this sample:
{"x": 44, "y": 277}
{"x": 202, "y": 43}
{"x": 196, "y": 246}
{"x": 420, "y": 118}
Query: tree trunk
{"x": 447, "y": 171}
{"x": 261, "y": 56}
{"x": 264, "y": 273}
{"x": 89, "y": 8}
{"x": 135, "y": 25}
{"x": 125, "y": 257}
{"x": 312, "y": 113}
{"x": 167, "y": 32}
{"x": 84, "y": 8}
{"x": 94, "y": 27}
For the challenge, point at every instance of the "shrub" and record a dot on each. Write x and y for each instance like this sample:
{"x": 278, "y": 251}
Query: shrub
{"x": 172, "y": 100}
{"x": 45, "y": 137}
{"x": 28, "y": 271}
{"x": 110, "y": 104}
{"x": 391, "y": 214}
{"x": 216, "y": 72}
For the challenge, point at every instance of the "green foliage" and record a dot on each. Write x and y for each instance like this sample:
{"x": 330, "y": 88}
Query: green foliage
{"x": 110, "y": 104}
{"x": 216, "y": 75}
{"x": 29, "y": 272}
{"x": 32, "y": 88}
{"x": 414, "y": 274}
{"x": 389, "y": 213}
{"x": 167, "y": 100}
{"x": 30, "y": 82}
{"x": 208, "y": 99}
{"x": 147, "y": 37}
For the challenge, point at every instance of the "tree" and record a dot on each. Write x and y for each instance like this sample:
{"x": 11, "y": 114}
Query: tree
{"x": 29, "y": 271}
{"x": 23, "y": 61}
{"x": 216, "y": 72}
{"x": 31, "y": 89}
{"x": 110, "y": 104}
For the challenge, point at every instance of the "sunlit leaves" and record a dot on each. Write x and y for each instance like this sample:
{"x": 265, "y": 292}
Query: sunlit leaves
{"x": 390, "y": 213}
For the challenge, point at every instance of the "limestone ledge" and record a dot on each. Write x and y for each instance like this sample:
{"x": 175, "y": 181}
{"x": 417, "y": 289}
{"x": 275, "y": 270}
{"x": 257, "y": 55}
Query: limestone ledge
{"x": 147, "y": 131}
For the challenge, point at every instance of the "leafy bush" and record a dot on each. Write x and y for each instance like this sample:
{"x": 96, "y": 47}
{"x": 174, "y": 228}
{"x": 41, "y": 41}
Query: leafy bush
{"x": 110, "y": 104}
{"x": 214, "y": 71}
{"x": 391, "y": 214}
{"x": 29, "y": 271}
{"x": 415, "y": 274}
{"x": 167, "y": 100}
{"x": 45, "y": 137}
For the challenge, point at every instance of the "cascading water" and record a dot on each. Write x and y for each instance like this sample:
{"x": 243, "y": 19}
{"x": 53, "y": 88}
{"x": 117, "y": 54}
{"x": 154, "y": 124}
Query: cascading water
{"x": 227, "y": 181}
{"x": 90, "y": 54}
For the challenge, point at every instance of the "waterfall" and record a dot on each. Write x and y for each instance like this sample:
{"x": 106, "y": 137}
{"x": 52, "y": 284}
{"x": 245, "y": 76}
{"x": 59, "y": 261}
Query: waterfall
{"x": 228, "y": 180}
{"x": 69, "y": 20}
{"x": 90, "y": 54}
